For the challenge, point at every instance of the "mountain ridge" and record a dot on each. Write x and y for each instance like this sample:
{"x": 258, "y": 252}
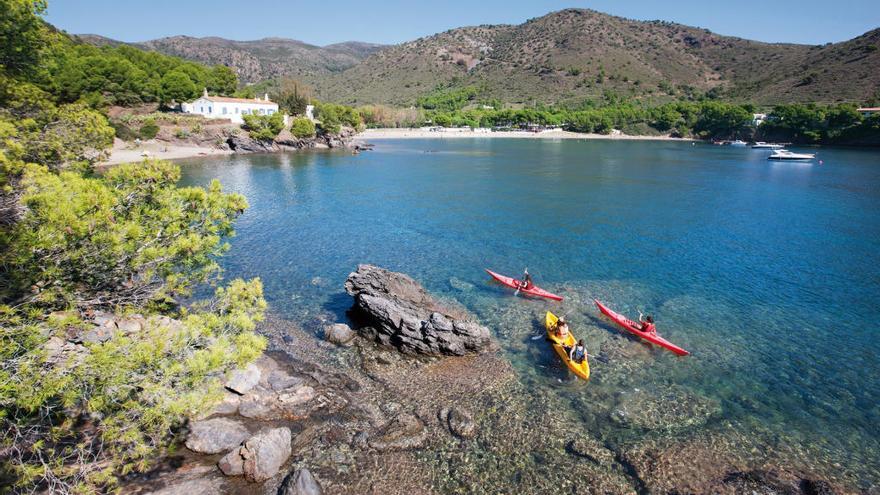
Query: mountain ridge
{"x": 565, "y": 56}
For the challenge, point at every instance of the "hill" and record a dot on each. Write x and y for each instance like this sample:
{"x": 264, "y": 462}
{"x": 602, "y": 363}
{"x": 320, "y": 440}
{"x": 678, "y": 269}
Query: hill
{"x": 258, "y": 60}
{"x": 564, "y": 56}
{"x": 575, "y": 54}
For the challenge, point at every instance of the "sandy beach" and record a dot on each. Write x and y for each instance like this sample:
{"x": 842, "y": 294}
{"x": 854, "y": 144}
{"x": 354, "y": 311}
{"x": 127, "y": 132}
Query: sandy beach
{"x": 393, "y": 133}
{"x": 123, "y": 152}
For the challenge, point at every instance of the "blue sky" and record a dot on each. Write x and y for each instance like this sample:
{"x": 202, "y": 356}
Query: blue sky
{"x": 394, "y": 21}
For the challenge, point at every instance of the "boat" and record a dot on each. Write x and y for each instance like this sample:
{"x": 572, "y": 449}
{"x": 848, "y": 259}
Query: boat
{"x": 738, "y": 143}
{"x": 582, "y": 369}
{"x": 534, "y": 290}
{"x": 761, "y": 145}
{"x": 634, "y": 327}
{"x": 790, "y": 156}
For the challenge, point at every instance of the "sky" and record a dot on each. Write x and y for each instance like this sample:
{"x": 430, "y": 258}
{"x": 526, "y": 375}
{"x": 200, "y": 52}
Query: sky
{"x": 396, "y": 21}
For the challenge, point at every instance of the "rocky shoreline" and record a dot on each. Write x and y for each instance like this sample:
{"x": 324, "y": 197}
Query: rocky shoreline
{"x": 330, "y": 409}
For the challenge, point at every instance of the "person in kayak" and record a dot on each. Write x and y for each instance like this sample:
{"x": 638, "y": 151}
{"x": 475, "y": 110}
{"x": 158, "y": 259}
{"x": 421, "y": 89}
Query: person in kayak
{"x": 526, "y": 281}
{"x": 647, "y": 323}
{"x": 578, "y": 353}
{"x": 562, "y": 329}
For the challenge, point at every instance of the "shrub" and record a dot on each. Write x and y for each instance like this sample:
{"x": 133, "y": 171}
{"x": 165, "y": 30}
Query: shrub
{"x": 264, "y": 127}
{"x": 302, "y": 127}
{"x": 149, "y": 130}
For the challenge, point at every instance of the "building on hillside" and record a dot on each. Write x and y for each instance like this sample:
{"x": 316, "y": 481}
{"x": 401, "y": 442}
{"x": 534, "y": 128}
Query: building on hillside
{"x": 758, "y": 119}
{"x": 867, "y": 112}
{"x": 221, "y": 107}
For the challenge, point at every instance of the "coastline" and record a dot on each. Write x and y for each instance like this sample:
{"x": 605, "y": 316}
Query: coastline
{"x": 405, "y": 133}
{"x": 123, "y": 152}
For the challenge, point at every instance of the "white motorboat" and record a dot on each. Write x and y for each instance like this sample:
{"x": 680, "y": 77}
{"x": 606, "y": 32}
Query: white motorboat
{"x": 738, "y": 142}
{"x": 760, "y": 145}
{"x": 790, "y": 156}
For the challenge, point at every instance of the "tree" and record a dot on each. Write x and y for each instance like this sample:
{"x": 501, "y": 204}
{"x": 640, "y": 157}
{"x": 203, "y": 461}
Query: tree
{"x": 264, "y": 127}
{"x": 22, "y": 36}
{"x": 302, "y": 127}
{"x": 222, "y": 80}
{"x": 177, "y": 87}
{"x": 293, "y": 96}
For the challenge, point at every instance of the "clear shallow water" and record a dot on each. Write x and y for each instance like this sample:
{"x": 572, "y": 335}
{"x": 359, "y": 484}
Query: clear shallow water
{"x": 768, "y": 272}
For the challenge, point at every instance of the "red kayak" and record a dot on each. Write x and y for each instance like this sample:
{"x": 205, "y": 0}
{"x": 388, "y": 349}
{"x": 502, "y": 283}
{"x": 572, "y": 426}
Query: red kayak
{"x": 633, "y": 327}
{"x": 534, "y": 290}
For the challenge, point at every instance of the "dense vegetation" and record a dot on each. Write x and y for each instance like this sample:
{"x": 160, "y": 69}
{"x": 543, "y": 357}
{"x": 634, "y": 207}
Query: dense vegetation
{"x": 264, "y": 127}
{"x": 695, "y": 115}
{"x": 78, "y": 412}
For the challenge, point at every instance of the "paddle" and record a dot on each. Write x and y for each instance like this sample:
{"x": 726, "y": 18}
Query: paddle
{"x": 516, "y": 292}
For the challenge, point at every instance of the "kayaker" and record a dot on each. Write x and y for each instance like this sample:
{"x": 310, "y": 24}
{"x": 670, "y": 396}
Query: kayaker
{"x": 647, "y": 323}
{"x": 578, "y": 353}
{"x": 526, "y": 281}
{"x": 562, "y": 329}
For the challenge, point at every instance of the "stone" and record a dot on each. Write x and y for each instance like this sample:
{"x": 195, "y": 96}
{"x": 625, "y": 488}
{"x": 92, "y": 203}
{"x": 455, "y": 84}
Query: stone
{"x": 339, "y": 334}
{"x": 396, "y": 310}
{"x": 300, "y": 482}
{"x": 242, "y": 380}
{"x": 296, "y": 396}
{"x": 229, "y": 405}
{"x": 192, "y": 487}
{"x": 361, "y": 440}
{"x": 213, "y": 436}
{"x": 459, "y": 422}
{"x": 130, "y": 325}
{"x": 232, "y": 464}
{"x": 279, "y": 380}
{"x": 98, "y": 335}
{"x": 403, "y": 432}
{"x": 265, "y": 453}
{"x": 258, "y": 405}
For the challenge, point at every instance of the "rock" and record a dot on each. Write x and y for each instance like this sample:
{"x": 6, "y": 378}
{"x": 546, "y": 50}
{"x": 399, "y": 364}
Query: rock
{"x": 192, "y": 487}
{"x": 98, "y": 335}
{"x": 361, "y": 440}
{"x": 296, "y": 396}
{"x": 241, "y": 381}
{"x": 260, "y": 404}
{"x": 397, "y": 311}
{"x": 459, "y": 422}
{"x": 232, "y": 464}
{"x": 213, "y": 436}
{"x": 131, "y": 325}
{"x": 591, "y": 449}
{"x": 339, "y": 334}
{"x": 403, "y": 432}
{"x": 279, "y": 380}
{"x": 229, "y": 404}
{"x": 265, "y": 453}
{"x": 300, "y": 482}
{"x": 673, "y": 408}
{"x": 242, "y": 143}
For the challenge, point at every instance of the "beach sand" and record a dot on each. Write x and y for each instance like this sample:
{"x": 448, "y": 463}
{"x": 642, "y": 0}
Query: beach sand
{"x": 391, "y": 133}
{"x": 123, "y": 152}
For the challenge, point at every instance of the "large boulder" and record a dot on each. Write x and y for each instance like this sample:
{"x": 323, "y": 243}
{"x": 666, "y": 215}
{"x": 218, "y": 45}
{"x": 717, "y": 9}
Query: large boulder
{"x": 396, "y": 310}
{"x": 339, "y": 334}
{"x": 216, "y": 435}
{"x": 265, "y": 453}
{"x": 242, "y": 380}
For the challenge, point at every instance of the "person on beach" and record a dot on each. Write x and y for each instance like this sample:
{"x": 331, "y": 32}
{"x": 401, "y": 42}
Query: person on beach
{"x": 647, "y": 323}
{"x": 578, "y": 353}
{"x": 562, "y": 329}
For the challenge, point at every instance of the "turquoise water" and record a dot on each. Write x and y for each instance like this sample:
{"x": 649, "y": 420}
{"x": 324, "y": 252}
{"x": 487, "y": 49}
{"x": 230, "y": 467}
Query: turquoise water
{"x": 769, "y": 273}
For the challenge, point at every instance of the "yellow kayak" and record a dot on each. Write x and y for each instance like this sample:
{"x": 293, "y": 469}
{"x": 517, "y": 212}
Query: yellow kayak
{"x": 580, "y": 369}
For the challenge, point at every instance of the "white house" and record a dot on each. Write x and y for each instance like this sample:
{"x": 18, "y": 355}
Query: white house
{"x": 221, "y": 107}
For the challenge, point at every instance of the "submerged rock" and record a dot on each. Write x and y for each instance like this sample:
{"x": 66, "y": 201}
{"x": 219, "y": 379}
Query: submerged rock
{"x": 398, "y": 311}
{"x": 339, "y": 334}
{"x": 403, "y": 432}
{"x": 674, "y": 408}
{"x": 216, "y": 435}
{"x": 592, "y": 449}
{"x": 300, "y": 482}
{"x": 459, "y": 422}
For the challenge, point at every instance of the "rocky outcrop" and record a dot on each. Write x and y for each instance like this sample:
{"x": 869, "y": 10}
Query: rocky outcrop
{"x": 243, "y": 380}
{"x": 217, "y": 435}
{"x": 397, "y": 311}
